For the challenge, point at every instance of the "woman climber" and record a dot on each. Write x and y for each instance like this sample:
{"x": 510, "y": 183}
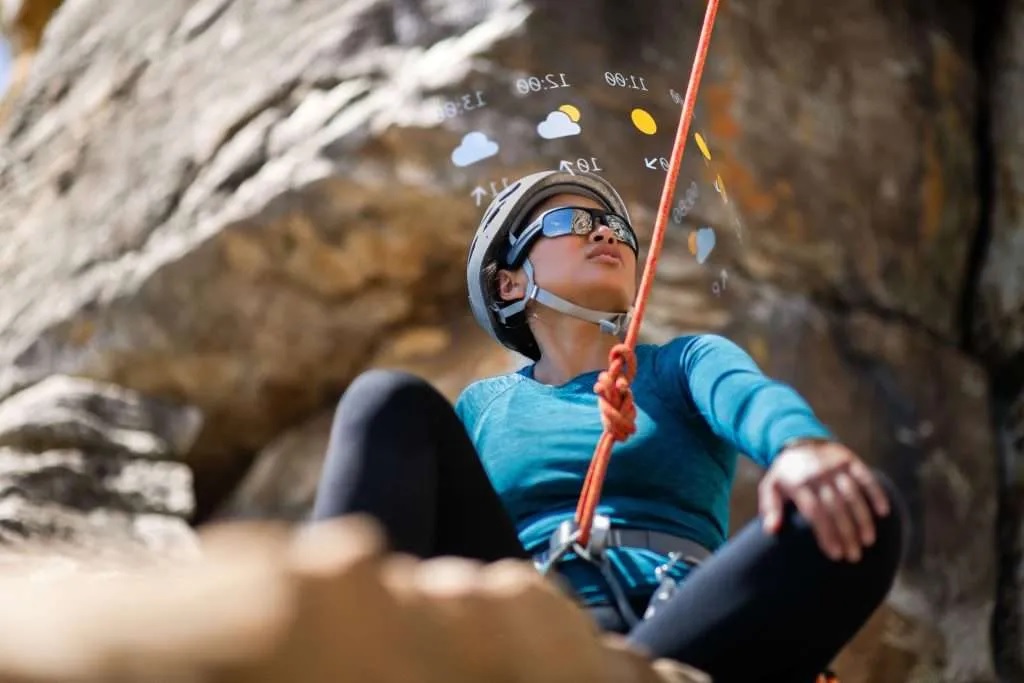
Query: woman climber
{"x": 552, "y": 274}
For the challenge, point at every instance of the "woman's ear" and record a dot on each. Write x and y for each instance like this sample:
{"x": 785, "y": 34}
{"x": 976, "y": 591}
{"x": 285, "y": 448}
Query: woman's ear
{"x": 511, "y": 284}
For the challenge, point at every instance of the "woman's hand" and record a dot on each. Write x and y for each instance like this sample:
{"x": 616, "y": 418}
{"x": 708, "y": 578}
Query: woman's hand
{"x": 832, "y": 488}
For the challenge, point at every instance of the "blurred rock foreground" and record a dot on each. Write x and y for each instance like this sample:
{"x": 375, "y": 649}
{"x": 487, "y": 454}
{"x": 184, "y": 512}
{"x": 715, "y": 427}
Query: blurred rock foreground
{"x": 215, "y": 213}
{"x": 327, "y": 605}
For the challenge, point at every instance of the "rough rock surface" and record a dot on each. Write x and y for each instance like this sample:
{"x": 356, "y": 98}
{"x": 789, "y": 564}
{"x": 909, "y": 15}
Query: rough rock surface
{"x": 22, "y": 25}
{"x": 85, "y": 465}
{"x": 256, "y": 200}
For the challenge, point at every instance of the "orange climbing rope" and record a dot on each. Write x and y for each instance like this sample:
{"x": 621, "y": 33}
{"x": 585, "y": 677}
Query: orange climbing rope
{"x": 615, "y": 396}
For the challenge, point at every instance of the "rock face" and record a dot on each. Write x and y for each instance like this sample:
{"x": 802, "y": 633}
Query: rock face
{"x": 255, "y": 201}
{"x": 997, "y": 307}
{"x": 22, "y": 23}
{"x": 89, "y": 466}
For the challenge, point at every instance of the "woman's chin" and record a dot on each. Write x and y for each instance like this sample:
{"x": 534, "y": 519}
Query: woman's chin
{"x": 607, "y": 298}
{"x": 601, "y": 290}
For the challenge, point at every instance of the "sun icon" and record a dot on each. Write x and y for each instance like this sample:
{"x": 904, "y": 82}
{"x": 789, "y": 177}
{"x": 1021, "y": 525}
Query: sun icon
{"x": 572, "y": 112}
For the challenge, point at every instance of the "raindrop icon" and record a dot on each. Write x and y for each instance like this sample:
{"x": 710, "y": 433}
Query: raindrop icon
{"x": 703, "y": 146}
{"x": 705, "y": 242}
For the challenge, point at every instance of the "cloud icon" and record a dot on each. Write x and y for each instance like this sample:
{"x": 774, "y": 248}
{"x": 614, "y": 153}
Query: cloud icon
{"x": 557, "y": 125}
{"x": 474, "y": 147}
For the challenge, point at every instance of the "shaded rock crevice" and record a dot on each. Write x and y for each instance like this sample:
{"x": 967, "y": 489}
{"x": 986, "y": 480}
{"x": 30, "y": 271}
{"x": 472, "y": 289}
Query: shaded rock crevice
{"x": 991, "y": 18}
{"x": 986, "y": 336}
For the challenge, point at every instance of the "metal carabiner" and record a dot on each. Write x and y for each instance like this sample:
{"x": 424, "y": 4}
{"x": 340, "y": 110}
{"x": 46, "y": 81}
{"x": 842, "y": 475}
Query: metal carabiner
{"x": 667, "y": 586}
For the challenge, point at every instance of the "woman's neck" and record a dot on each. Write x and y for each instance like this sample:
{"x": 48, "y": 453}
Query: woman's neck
{"x": 569, "y": 347}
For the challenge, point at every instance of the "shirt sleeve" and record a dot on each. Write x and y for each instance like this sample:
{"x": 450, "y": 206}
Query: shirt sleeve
{"x": 754, "y": 413}
{"x": 465, "y": 408}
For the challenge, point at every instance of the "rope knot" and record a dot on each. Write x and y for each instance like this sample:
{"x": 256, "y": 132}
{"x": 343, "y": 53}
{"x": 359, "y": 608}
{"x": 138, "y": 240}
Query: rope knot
{"x": 615, "y": 396}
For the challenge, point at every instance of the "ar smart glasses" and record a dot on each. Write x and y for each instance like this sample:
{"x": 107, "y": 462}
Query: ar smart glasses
{"x": 568, "y": 220}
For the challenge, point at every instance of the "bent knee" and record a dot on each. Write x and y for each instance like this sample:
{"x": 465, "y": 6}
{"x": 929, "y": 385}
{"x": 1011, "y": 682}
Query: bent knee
{"x": 384, "y": 381}
{"x": 379, "y": 389}
{"x": 885, "y": 554}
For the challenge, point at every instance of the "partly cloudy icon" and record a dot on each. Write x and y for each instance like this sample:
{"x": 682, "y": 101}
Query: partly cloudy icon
{"x": 475, "y": 146}
{"x": 558, "y": 124}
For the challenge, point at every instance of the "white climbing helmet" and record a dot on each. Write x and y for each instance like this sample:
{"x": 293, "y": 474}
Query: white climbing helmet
{"x": 505, "y": 321}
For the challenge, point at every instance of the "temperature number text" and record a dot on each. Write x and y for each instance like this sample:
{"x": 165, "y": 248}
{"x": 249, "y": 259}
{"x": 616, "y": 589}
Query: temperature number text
{"x": 580, "y": 165}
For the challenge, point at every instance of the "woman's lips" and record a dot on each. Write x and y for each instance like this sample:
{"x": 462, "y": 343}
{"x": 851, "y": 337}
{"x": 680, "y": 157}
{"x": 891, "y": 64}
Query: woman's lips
{"x": 605, "y": 253}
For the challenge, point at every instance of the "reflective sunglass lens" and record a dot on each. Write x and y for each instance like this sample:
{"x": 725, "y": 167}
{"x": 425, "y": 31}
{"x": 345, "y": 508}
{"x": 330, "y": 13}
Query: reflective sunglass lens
{"x": 615, "y": 223}
{"x": 621, "y": 229}
{"x": 582, "y": 222}
{"x": 557, "y": 222}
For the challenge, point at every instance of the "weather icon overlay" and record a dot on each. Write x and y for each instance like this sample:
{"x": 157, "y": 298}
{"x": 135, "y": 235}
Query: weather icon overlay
{"x": 701, "y": 243}
{"x": 475, "y": 146}
{"x": 643, "y": 121}
{"x": 561, "y": 123}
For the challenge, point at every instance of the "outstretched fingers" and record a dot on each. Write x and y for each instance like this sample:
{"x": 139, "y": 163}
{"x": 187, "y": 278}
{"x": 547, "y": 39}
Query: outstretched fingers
{"x": 817, "y": 515}
{"x": 863, "y": 475}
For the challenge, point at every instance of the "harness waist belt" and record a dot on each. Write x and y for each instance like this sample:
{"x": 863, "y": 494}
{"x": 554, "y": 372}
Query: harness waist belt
{"x": 657, "y": 541}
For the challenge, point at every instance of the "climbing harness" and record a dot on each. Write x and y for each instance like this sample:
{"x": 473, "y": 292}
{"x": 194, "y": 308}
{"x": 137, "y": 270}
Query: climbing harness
{"x": 667, "y": 584}
{"x": 564, "y": 541}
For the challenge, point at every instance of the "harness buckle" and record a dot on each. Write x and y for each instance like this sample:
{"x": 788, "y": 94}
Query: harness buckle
{"x": 565, "y": 537}
{"x": 600, "y": 534}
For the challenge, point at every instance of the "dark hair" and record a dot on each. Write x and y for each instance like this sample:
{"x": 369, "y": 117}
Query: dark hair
{"x": 491, "y": 282}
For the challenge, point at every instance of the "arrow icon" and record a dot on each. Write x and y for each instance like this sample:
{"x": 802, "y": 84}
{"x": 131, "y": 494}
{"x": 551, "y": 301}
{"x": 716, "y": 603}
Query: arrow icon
{"x": 566, "y": 166}
{"x": 653, "y": 162}
{"x": 478, "y": 194}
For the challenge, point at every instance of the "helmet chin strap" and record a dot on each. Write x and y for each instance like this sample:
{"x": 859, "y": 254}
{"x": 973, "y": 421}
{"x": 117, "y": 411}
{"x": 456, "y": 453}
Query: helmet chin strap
{"x": 612, "y": 323}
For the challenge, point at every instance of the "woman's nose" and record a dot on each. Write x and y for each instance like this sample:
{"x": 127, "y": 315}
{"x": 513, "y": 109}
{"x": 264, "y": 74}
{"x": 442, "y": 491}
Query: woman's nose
{"x": 602, "y": 233}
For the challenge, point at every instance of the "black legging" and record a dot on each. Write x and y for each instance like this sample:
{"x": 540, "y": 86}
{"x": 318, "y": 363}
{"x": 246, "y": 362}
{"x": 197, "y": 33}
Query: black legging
{"x": 763, "y": 608}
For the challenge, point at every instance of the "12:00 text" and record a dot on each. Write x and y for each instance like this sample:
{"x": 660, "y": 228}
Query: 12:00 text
{"x": 535, "y": 83}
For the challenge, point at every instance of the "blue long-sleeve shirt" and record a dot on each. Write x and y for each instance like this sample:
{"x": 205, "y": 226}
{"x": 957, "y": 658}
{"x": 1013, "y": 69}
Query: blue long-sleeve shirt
{"x": 700, "y": 401}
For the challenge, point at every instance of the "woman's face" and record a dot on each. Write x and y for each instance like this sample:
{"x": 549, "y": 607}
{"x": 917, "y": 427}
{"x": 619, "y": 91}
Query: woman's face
{"x": 594, "y": 271}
